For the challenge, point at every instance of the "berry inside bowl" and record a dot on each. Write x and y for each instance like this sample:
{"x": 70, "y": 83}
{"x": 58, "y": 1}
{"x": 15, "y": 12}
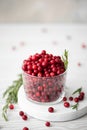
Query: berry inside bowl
{"x": 44, "y": 77}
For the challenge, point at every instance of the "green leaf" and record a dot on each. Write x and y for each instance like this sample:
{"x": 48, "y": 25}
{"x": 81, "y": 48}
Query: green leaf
{"x": 11, "y": 95}
{"x": 65, "y": 58}
{"x": 75, "y": 106}
{"x": 77, "y": 91}
{"x": 4, "y": 116}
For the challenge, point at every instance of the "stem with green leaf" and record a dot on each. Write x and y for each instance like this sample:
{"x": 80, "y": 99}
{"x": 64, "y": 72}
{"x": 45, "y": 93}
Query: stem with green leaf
{"x": 11, "y": 95}
{"x": 75, "y": 106}
{"x": 65, "y": 58}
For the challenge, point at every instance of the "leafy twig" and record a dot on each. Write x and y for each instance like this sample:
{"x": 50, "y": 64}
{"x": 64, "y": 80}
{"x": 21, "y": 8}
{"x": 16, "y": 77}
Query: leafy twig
{"x": 11, "y": 94}
{"x": 75, "y": 106}
{"x": 77, "y": 91}
{"x": 65, "y": 58}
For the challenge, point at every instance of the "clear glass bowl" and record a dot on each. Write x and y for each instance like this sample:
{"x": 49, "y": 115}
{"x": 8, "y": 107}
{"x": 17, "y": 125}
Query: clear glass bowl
{"x": 44, "y": 89}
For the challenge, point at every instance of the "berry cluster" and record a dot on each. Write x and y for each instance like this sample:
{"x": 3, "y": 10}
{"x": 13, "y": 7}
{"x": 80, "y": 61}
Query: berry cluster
{"x": 43, "y": 78}
{"x": 76, "y": 99}
{"x": 23, "y": 115}
{"x": 43, "y": 65}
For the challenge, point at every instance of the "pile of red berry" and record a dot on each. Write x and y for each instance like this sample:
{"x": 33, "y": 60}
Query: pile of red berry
{"x": 43, "y": 65}
{"x": 43, "y": 77}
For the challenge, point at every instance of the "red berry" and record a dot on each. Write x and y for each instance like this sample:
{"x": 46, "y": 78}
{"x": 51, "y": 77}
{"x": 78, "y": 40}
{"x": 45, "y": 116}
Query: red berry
{"x": 34, "y": 67}
{"x": 37, "y": 94}
{"x": 81, "y": 97}
{"x": 64, "y": 98}
{"x": 47, "y": 123}
{"x": 52, "y": 74}
{"x": 76, "y": 99}
{"x": 44, "y": 63}
{"x": 51, "y": 109}
{"x": 11, "y": 106}
{"x": 66, "y": 104}
{"x": 40, "y": 88}
{"x": 24, "y": 117}
{"x": 84, "y": 45}
{"x": 82, "y": 93}
{"x": 21, "y": 113}
{"x": 43, "y": 52}
{"x": 25, "y": 128}
{"x": 79, "y": 64}
{"x": 71, "y": 98}
{"x": 39, "y": 74}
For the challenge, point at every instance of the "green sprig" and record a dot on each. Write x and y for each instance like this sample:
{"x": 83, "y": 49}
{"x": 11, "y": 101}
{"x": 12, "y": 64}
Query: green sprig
{"x": 11, "y": 95}
{"x": 75, "y": 106}
{"x": 65, "y": 58}
{"x": 77, "y": 91}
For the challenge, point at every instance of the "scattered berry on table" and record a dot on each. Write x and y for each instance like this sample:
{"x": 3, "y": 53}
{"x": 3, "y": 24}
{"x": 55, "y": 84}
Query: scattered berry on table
{"x": 67, "y": 104}
{"x": 51, "y": 109}
{"x": 47, "y": 124}
{"x": 11, "y": 106}
{"x": 82, "y": 93}
{"x": 21, "y": 113}
{"x": 25, "y": 128}
{"x": 24, "y": 117}
{"x": 84, "y": 45}
{"x": 79, "y": 64}
{"x": 76, "y": 99}
{"x": 81, "y": 97}
{"x": 70, "y": 98}
{"x": 64, "y": 98}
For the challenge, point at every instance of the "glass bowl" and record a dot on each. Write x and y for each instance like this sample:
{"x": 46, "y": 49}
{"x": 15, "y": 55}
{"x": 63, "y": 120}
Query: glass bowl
{"x": 44, "y": 89}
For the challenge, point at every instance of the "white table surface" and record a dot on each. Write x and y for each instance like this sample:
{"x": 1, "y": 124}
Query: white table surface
{"x": 17, "y": 42}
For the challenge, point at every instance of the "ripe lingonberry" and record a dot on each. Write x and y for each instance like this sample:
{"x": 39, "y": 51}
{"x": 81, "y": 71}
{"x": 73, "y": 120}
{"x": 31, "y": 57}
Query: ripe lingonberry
{"x": 66, "y": 104}
{"x": 25, "y": 128}
{"x": 21, "y": 113}
{"x": 47, "y": 123}
{"x": 76, "y": 99}
{"x": 11, "y": 106}
{"x": 81, "y": 97}
{"x": 64, "y": 98}
{"x": 24, "y": 117}
{"x": 71, "y": 98}
{"x": 82, "y": 93}
{"x": 51, "y": 109}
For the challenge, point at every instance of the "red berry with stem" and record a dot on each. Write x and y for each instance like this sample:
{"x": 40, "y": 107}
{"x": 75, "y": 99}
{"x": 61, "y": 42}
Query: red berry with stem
{"x": 47, "y": 123}
{"x": 67, "y": 104}
{"x": 11, "y": 106}
{"x": 51, "y": 109}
